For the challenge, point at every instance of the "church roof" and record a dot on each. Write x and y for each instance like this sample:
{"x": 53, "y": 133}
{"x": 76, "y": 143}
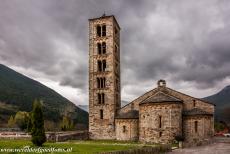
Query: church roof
{"x": 133, "y": 114}
{"x": 196, "y": 111}
{"x": 161, "y": 97}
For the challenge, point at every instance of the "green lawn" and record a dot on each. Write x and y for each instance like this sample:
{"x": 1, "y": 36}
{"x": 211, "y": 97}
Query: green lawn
{"x": 81, "y": 147}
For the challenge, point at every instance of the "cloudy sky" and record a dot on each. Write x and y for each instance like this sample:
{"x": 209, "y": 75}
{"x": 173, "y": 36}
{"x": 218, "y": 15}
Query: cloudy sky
{"x": 184, "y": 42}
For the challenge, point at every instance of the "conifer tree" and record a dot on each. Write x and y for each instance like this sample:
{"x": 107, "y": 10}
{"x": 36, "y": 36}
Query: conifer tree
{"x": 38, "y": 130}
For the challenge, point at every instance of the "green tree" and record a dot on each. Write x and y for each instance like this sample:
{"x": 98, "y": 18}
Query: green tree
{"x": 21, "y": 119}
{"x": 38, "y": 130}
{"x": 66, "y": 124}
{"x": 11, "y": 122}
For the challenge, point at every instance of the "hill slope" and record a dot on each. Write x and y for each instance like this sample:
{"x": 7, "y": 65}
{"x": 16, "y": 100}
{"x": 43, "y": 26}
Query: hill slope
{"x": 222, "y": 102}
{"x": 17, "y": 92}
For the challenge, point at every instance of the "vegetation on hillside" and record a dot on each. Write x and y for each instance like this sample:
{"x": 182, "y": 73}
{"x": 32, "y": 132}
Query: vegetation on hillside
{"x": 17, "y": 93}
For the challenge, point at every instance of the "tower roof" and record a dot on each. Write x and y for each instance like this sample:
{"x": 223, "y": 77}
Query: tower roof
{"x": 104, "y": 16}
{"x": 161, "y": 97}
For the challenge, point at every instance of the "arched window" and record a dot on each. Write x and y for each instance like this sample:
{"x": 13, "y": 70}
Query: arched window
{"x": 103, "y": 65}
{"x": 98, "y": 30}
{"x": 124, "y": 129}
{"x": 99, "y": 98}
{"x": 104, "y": 30}
{"x": 98, "y": 83}
{"x": 103, "y": 47}
{"x": 99, "y": 48}
{"x": 99, "y": 64}
{"x": 196, "y": 126}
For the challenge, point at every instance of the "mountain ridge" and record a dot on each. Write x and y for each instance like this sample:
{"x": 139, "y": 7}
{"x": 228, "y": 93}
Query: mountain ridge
{"x": 17, "y": 92}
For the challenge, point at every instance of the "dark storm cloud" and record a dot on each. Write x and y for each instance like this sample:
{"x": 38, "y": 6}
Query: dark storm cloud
{"x": 178, "y": 40}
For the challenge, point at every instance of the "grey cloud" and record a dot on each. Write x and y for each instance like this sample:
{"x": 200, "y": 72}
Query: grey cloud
{"x": 183, "y": 41}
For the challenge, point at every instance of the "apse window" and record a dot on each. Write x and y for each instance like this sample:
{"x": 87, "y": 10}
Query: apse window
{"x": 124, "y": 129}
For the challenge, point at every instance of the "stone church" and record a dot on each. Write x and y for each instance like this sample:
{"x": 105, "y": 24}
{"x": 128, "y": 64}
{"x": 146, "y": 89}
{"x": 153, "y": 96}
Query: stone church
{"x": 158, "y": 116}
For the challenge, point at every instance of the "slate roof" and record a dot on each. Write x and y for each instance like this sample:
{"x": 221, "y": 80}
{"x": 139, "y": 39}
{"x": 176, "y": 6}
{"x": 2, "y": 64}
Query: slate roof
{"x": 196, "y": 111}
{"x": 133, "y": 114}
{"x": 161, "y": 97}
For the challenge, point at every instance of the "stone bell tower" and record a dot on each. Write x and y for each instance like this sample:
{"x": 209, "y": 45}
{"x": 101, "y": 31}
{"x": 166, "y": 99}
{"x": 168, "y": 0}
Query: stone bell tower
{"x": 104, "y": 76}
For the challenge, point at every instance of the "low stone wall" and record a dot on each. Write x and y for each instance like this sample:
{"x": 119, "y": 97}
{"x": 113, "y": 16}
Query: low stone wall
{"x": 144, "y": 150}
{"x": 64, "y": 136}
{"x": 51, "y": 136}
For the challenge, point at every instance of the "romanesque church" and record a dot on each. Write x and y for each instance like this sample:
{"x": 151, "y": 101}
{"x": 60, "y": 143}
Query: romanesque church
{"x": 158, "y": 116}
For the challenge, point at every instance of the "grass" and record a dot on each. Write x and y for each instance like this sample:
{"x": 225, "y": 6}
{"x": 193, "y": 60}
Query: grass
{"x": 78, "y": 147}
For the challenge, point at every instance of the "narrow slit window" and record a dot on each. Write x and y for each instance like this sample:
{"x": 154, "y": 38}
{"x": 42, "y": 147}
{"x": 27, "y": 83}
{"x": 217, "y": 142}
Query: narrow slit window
{"x": 160, "y": 134}
{"x": 101, "y": 114}
{"x": 196, "y": 126}
{"x": 160, "y": 121}
{"x": 103, "y": 98}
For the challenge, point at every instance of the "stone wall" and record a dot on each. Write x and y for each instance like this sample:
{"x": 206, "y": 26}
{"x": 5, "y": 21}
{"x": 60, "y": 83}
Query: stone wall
{"x": 149, "y": 124}
{"x": 127, "y": 129}
{"x": 204, "y": 129}
{"x": 104, "y": 128}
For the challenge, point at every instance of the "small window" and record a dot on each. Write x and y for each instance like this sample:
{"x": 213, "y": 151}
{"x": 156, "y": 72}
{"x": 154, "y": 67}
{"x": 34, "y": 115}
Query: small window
{"x": 98, "y": 31}
{"x": 104, "y": 30}
{"x": 101, "y": 114}
{"x": 98, "y": 83}
{"x": 103, "y": 47}
{"x": 103, "y": 65}
{"x": 194, "y": 103}
{"x": 160, "y": 134}
{"x": 124, "y": 129}
{"x": 160, "y": 121}
{"x": 102, "y": 98}
{"x": 99, "y": 64}
{"x": 99, "y": 98}
{"x": 99, "y": 49}
{"x": 196, "y": 126}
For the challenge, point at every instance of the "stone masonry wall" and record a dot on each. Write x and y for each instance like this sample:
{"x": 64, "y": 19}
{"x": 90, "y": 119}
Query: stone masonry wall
{"x": 127, "y": 129}
{"x": 171, "y": 122}
{"x": 204, "y": 129}
{"x": 103, "y": 128}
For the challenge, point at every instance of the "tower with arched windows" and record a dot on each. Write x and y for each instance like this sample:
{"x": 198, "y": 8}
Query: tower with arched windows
{"x": 104, "y": 76}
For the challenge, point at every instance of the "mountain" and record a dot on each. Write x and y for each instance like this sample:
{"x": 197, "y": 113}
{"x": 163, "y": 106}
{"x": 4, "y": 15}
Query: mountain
{"x": 222, "y": 102}
{"x": 17, "y": 93}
